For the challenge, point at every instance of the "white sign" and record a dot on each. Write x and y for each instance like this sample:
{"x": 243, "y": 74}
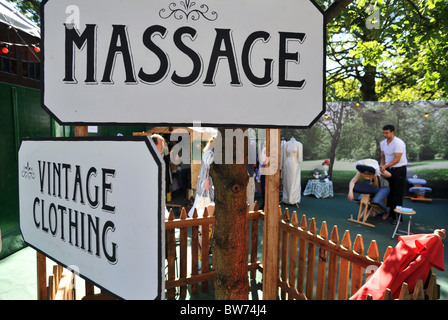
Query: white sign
{"x": 97, "y": 207}
{"x": 254, "y": 63}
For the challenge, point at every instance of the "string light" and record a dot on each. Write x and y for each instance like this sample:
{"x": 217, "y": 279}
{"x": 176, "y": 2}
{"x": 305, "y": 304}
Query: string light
{"x": 5, "y": 46}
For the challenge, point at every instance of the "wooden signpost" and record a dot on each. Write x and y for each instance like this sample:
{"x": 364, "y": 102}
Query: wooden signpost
{"x": 271, "y": 222}
{"x": 238, "y": 63}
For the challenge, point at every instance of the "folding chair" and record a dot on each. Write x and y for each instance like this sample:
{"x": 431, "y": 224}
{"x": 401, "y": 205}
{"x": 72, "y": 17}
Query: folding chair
{"x": 367, "y": 187}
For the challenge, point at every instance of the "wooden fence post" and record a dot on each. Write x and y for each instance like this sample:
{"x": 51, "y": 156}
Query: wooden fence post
{"x": 357, "y": 270}
{"x": 195, "y": 253}
{"x": 284, "y": 253}
{"x": 41, "y": 277}
{"x": 293, "y": 254}
{"x": 332, "y": 266}
{"x": 205, "y": 266}
{"x": 311, "y": 261}
{"x": 302, "y": 257}
{"x": 344, "y": 269}
{"x": 322, "y": 265}
{"x": 183, "y": 253}
{"x": 170, "y": 253}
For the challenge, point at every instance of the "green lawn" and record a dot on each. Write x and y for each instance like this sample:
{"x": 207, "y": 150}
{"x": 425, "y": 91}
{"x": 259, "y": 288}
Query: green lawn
{"x": 432, "y": 175}
{"x": 433, "y": 171}
{"x": 343, "y": 176}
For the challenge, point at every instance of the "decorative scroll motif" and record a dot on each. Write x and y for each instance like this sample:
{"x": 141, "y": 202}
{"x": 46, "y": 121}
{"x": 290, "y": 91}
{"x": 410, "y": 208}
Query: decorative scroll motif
{"x": 28, "y": 172}
{"x": 188, "y": 10}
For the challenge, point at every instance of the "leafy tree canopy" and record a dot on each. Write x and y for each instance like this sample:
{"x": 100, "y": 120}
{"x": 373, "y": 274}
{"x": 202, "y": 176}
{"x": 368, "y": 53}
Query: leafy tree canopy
{"x": 391, "y": 50}
{"x": 30, "y": 8}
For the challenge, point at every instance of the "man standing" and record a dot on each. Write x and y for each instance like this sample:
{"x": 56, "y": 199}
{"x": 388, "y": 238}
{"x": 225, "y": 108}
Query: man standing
{"x": 160, "y": 143}
{"x": 393, "y": 159}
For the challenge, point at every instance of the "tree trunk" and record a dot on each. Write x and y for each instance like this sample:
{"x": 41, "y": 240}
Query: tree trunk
{"x": 336, "y": 135}
{"x": 368, "y": 84}
{"x": 335, "y": 8}
{"x": 229, "y": 240}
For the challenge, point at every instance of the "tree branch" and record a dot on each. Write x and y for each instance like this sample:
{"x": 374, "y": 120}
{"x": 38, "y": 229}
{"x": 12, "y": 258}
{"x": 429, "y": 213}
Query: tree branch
{"x": 417, "y": 9}
{"x": 335, "y": 8}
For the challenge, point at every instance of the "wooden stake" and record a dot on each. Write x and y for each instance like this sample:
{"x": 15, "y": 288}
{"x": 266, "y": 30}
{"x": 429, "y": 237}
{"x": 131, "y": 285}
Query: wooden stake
{"x": 293, "y": 254}
{"x": 311, "y": 262}
{"x": 344, "y": 269}
{"x": 302, "y": 257}
{"x": 357, "y": 271}
{"x": 229, "y": 242}
{"x": 41, "y": 277}
{"x": 271, "y": 220}
{"x": 322, "y": 264}
{"x": 82, "y": 131}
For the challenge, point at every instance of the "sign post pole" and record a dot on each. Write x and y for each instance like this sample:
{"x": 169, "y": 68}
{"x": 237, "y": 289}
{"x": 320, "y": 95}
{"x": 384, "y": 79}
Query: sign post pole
{"x": 41, "y": 276}
{"x": 153, "y": 60}
{"x": 82, "y": 131}
{"x": 270, "y": 232}
{"x": 41, "y": 260}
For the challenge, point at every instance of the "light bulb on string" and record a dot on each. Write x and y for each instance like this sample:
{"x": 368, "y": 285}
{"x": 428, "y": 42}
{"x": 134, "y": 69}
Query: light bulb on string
{"x": 5, "y": 49}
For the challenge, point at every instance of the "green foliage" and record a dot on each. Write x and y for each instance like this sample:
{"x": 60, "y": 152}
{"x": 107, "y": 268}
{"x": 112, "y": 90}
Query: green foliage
{"x": 368, "y": 53}
{"x": 403, "y": 57}
{"x": 30, "y": 8}
{"x": 384, "y": 50}
{"x": 432, "y": 175}
{"x": 360, "y": 130}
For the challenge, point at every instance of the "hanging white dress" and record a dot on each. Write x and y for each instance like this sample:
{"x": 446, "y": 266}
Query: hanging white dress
{"x": 282, "y": 156}
{"x": 204, "y": 197}
{"x": 291, "y": 172}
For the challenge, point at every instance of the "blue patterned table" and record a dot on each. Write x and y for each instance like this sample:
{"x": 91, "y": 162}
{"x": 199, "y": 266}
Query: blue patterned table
{"x": 320, "y": 189}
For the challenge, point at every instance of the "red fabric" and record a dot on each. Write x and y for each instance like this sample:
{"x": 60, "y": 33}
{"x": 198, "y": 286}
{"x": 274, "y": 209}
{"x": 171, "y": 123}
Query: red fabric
{"x": 410, "y": 260}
